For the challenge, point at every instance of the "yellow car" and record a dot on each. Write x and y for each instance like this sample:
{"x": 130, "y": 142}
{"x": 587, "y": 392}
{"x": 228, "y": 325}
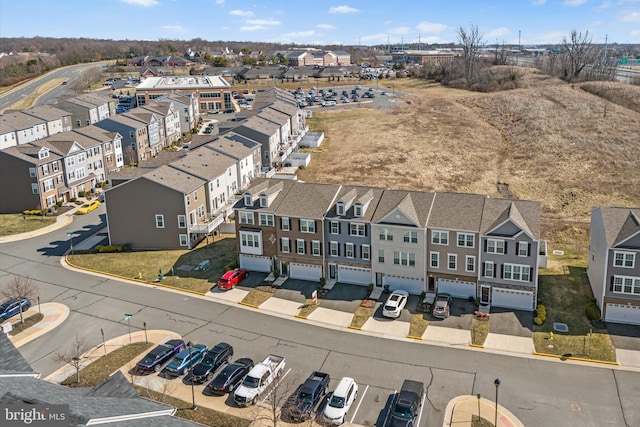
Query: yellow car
{"x": 88, "y": 207}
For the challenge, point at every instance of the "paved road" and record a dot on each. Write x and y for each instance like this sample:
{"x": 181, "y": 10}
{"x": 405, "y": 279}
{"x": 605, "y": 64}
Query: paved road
{"x": 539, "y": 392}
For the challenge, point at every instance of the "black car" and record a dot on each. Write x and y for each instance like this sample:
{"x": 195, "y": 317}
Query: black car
{"x": 230, "y": 377}
{"x": 154, "y": 360}
{"x": 213, "y": 359}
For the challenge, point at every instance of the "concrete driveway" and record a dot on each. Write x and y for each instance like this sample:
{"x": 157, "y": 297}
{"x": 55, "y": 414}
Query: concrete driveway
{"x": 625, "y": 337}
{"x": 506, "y": 321}
{"x": 461, "y": 316}
{"x": 296, "y": 290}
{"x": 344, "y": 297}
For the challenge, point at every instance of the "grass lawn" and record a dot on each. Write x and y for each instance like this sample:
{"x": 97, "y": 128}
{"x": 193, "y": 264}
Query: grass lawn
{"x": 257, "y": 297}
{"x": 11, "y": 224}
{"x": 477, "y": 421}
{"x": 362, "y": 314}
{"x": 479, "y": 331}
{"x": 565, "y": 291}
{"x": 308, "y": 307}
{"x": 419, "y": 323}
{"x": 201, "y": 415}
{"x": 146, "y": 265}
{"x": 28, "y": 322}
{"x": 99, "y": 370}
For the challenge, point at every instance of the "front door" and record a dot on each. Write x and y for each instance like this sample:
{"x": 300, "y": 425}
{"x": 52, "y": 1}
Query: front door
{"x": 332, "y": 271}
{"x": 484, "y": 294}
{"x": 284, "y": 269}
{"x": 379, "y": 279}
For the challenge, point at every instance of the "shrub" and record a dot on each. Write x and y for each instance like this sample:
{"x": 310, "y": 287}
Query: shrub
{"x": 34, "y": 212}
{"x": 108, "y": 249}
{"x": 322, "y": 281}
{"x": 592, "y": 311}
{"x": 370, "y": 287}
{"x": 538, "y": 321}
{"x": 541, "y": 311}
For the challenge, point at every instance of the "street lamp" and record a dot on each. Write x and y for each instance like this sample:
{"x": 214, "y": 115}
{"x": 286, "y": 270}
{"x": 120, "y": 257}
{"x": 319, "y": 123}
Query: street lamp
{"x": 497, "y": 384}
{"x": 70, "y": 235}
{"x": 193, "y": 393}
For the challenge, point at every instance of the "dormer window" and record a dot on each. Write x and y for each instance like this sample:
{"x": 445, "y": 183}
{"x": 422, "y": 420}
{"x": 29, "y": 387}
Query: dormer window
{"x": 340, "y": 208}
{"x": 357, "y": 210}
{"x": 248, "y": 200}
{"x": 264, "y": 202}
{"x": 43, "y": 154}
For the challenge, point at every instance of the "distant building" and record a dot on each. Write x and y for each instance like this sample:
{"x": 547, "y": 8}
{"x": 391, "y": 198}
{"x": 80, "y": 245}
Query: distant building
{"x": 212, "y": 92}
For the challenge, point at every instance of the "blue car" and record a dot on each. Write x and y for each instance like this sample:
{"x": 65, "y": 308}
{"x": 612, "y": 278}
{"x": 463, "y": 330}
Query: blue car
{"x": 12, "y": 307}
{"x": 188, "y": 357}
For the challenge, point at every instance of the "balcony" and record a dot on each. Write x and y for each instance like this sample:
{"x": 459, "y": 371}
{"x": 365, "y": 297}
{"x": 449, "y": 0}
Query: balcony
{"x": 211, "y": 222}
{"x": 542, "y": 255}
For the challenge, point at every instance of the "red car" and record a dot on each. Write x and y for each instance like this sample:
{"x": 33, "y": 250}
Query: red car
{"x": 231, "y": 278}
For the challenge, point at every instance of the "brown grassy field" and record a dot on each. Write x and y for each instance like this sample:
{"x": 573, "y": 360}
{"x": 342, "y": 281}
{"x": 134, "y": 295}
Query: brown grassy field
{"x": 549, "y": 141}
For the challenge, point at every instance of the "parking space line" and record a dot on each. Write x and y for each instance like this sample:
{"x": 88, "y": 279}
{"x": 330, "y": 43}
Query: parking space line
{"x": 386, "y": 418}
{"x": 424, "y": 397}
{"x": 359, "y": 403}
{"x": 275, "y": 385}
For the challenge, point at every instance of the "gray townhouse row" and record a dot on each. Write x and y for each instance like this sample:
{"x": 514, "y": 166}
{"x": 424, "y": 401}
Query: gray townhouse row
{"x": 466, "y": 245}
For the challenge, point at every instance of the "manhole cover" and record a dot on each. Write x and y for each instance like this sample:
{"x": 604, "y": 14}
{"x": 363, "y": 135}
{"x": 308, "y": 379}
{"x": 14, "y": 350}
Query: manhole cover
{"x": 575, "y": 407}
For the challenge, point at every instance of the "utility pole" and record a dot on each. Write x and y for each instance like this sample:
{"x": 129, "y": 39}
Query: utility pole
{"x": 519, "y": 44}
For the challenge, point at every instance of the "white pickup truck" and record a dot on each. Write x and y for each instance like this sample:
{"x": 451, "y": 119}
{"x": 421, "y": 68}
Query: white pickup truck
{"x": 258, "y": 379}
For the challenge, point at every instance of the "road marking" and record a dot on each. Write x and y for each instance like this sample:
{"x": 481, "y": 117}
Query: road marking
{"x": 275, "y": 385}
{"x": 359, "y": 403}
{"x": 386, "y": 418}
{"x": 424, "y": 397}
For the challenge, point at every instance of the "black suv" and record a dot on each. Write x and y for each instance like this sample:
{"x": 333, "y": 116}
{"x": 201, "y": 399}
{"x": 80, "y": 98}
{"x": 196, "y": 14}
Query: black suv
{"x": 407, "y": 405}
{"x": 230, "y": 377}
{"x": 212, "y": 360}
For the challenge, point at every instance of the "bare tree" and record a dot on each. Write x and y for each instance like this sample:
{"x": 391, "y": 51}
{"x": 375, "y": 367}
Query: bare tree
{"x": 21, "y": 287}
{"x": 472, "y": 45}
{"x": 276, "y": 401}
{"x": 578, "y": 53}
{"x": 156, "y": 388}
{"x": 73, "y": 354}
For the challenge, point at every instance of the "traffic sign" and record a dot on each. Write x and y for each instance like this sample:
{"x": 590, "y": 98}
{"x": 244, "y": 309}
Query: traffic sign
{"x": 127, "y": 316}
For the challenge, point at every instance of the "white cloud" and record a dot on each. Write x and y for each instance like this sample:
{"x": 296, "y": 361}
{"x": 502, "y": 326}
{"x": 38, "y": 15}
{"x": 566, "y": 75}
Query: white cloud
{"x": 343, "y": 9}
{"x": 219, "y": 1}
{"x": 263, "y": 22}
{"x": 538, "y": 2}
{"x": 177, "y": 28}
{"x": 434, "y": 40}
{"x": 574, "y": 2}
{"x": 635, "y": 33}
{"x": 430, "y": 27}
{"x": 144, "y": 3}
{"x": 400, "y": 30}
{"x": 298, "y": 35}
{"x": 252, "y": 27}
{"x": 325, "y": 26}
{"x": 238, "y": 12}
{"x": 631, "y": 17}
{"x": 497, "y": 32}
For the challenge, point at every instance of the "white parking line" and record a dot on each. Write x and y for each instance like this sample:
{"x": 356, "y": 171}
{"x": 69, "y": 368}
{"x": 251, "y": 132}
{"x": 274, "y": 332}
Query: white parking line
{"x": 275, "y": 385}
{"x": 359, "y": 403}
{"x": 386, "y": 418}
{"x": 424, "y": 397}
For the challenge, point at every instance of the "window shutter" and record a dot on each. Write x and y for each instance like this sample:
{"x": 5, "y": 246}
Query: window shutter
{"x": 315, "y": 226}
{"x": 485, "y": 245}
{"x": 484, "y": 268}
{"x": 339, "y": 228}
{"x": 611, "y": 284}
{"x": 280, "y": 223}
{"x": 280, "y": 245}
{"x": 529, "y": 249}
{"x": 501, "y": 272}
{"x": 299, "y": 225}
{"x": 320, "y": 245}
{"x": 366, "y": 230}
{"x": 530, "y": 274}
{"x": 505, "y": 248}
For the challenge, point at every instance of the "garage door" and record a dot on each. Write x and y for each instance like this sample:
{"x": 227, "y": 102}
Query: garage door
{"x": 456, "y": 288}
{"x": 509, "y": 298}
{"x": 305, "y": 271}
{"x": 355, "y": 275}
{"x": 255, "y": 263}
{"x": 409, "y": 284}
{"x": 620, "y": 313}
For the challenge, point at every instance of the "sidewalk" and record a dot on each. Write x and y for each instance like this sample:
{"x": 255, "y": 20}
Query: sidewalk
{"x": 461, "y": 409}
{"x": 62, "y": 220}
{"x": 54, "y": 314}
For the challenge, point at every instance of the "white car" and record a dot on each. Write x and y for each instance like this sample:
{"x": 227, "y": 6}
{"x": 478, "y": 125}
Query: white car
{"x": 395, "y": 303}
{"x": 345, "y": 394}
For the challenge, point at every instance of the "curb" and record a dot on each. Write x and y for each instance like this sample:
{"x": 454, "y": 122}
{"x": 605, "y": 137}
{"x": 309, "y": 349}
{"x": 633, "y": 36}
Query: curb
{"x": 355, "y": 328}
{"x": 413, "y": 337}
{"x": 297, "y": 316}
{"x": 579, "y": 359}
{"x": 476, "y": 345}
{"x": 248, "y": 305}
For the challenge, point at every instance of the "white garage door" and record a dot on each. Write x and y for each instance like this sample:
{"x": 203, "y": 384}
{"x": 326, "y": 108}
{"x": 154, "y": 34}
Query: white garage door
{"x": 305, "y": 272}
{"x": 255, "y": 263}
{"x": 509, "y": 298}
{"x": 409, "y": 284}
{"x": 456, "y": 288}
{"x": 355, "y": 275}
{"x": 620, "y": 313}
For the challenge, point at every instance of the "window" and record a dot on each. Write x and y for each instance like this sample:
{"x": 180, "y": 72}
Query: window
{"x": 404, "y": 258}
{"x": 184, "y": 240}
{"x": 452, "y": 262}
{"x": 300, "y": 246}
{"x": 284, "y": 224}
{"x": 307, "y": 226}
{"x": 188, "y": 199}
{"x": 71, "y": 161}
{"x": 440, "y": 237}
{"x": 248, "y": 200}
{"x": 435, "y": 259}
{"x": 340, "y": 208}
{"x": 315, "y": 248}
{"x": 48, "y": 185}
{"x": 348, "y": 250}
{"x": 55, "y": 167}
{"x": 516, "y": 272}
{"x": 626, "y": 285}
{"x": 159, "y": 221}
{"x": 51, "y": 200}
{"x": 523, "y": 248}
{"x": 357, "y": 210}
{"x": 195, "y": 196}
{"x": 182, "y": 221}
{"x": 411, "y": 237}
{"x": 357, "y": 229}
{"x": 246, "y": 218}
{"x": 32, "y": 172}
{"x": 43, "y": 154}
{"x": 285, "y": 246}
{"x": 200, "y": 211}
{"x": 366, "y": 252}
{"x": 489, "y": 269}
{"x": 251, "y": 240}
{"x": 386, "y": 234}
{"x": 263, "y": 201}
{"x": 266, "y": 219}
{"x": 334, "y": 227}
{"x": 381, "y": 255}
{"x": 495, "y": 246}
{"x": 624, "y": 259}
{"x": 470, "y": 264}
{"x": 334, "y": 249}
{"x": 82, "y": 157}
{"x": 465, "y": 240}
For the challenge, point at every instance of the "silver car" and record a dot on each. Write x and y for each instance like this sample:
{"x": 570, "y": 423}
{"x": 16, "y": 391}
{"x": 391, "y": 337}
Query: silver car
{"x": 442, "y": 306}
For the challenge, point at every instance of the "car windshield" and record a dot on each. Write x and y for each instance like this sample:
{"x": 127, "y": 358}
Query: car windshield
{"x": 305, "y": 397}
{"x": 176, "y": 361}
{"x": 402, "y": 411}
{"x": 337, "y": 402}
{"x": 207, "y": 361}
{"x": 390, "y": 307}
{"x": 148, "y": 359}
{"x": 86, "y": 205}
{"x": 251, "y": 382}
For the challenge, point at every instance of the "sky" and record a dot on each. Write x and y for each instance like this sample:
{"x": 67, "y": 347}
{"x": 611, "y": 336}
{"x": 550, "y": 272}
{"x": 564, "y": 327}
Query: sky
{"x": 321, "y": 22}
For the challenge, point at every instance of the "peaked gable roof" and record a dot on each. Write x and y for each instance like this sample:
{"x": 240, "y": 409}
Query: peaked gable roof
{"x": 308, "y": 200}
{"x": 414, "y": 205}
{"x": 524, "y": 214}
{"x": 175, "y": 179}
{"x": 619, "y": 223}
{"x": 204, "y": 163}
{"x": 457, "y": 211}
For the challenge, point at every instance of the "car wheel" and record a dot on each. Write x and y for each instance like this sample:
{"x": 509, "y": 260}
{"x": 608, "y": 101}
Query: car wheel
{"x": 255, "y": 400}
{"x": 157, "y": 368}
{"x": 231, "y": 387}
{"x": 209, "y": 376}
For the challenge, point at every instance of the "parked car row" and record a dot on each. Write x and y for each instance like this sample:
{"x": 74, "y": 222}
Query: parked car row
{"x": 397, "y": 301}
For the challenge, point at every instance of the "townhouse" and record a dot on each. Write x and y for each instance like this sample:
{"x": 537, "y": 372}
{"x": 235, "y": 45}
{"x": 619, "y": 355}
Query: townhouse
{"x": 265, "y": 132}
{"x": 111, "y": 143}
{"x": 87, "y": 109}
{"x": 466, "y": 245}
{"x": 155, "y": 128}
{"x": 168, "y": 117}
{"x": 135, "y": 137}
{"x": 57, "y": 120}
{"x": 614, "y": 263}
{"x": 26, "y": 128}
{"x": 186, "y": 105}
{"x": 246, "y": 153}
